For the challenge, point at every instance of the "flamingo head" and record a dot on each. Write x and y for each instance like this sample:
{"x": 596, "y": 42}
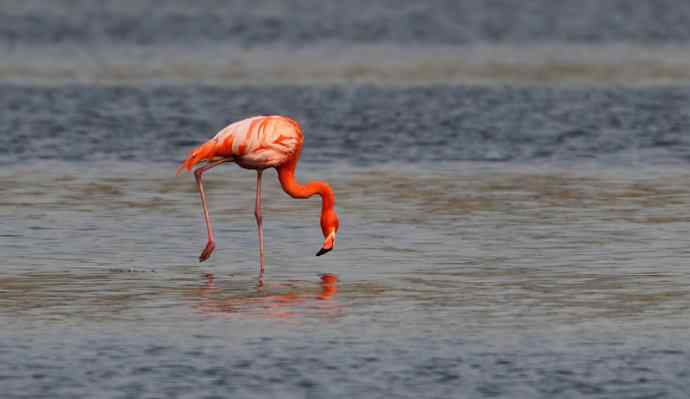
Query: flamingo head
{"x": 329, "y": 226}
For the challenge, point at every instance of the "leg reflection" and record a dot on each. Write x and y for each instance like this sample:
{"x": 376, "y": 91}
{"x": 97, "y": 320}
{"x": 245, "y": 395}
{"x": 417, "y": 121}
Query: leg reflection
{"x": 274, "y": 301}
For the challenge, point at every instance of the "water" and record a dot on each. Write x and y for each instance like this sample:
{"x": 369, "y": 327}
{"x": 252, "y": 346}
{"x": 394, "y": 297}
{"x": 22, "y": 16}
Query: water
{"x": 303, "y": 22}
{"x": 512, "y": 183}
{"x": 468, "y": 278}
{"x": 359, "y": 124}
{"x": 308, "y": 41}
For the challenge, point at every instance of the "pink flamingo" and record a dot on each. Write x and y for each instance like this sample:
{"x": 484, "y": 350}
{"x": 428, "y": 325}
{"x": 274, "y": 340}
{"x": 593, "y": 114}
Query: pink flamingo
{"x": 259, "y": 143}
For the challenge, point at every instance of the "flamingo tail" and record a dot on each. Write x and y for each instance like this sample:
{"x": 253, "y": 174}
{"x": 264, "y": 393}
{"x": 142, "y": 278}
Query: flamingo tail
{"x": 205, "y": 152}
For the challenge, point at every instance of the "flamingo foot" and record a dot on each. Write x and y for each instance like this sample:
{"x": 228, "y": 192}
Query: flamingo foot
{"x": 207, "y": 251}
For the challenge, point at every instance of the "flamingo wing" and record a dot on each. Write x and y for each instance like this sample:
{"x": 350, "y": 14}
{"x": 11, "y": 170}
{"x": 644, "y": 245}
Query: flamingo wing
{"x": 258, "y": 142}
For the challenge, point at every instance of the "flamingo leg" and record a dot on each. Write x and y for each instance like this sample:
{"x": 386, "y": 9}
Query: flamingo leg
{"x": 259, "y": 223}
{"x": 198, "y": 175}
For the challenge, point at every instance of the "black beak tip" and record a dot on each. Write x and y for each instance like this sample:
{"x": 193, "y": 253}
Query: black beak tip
{"x": 323, "y": 251}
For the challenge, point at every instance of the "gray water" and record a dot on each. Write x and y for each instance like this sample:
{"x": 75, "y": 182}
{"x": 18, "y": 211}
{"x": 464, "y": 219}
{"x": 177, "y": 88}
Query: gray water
{"x": 455, "y": 279}
{"x": 387, "y": 42}
{"x": 512, "y": 181}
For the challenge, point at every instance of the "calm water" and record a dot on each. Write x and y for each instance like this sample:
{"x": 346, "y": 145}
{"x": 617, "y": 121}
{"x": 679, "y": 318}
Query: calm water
{"x": 513, "y": 242}
{"x": 397, "y": 42}
{"x": 509, "y": 239}
{"x": 301, "y": 22}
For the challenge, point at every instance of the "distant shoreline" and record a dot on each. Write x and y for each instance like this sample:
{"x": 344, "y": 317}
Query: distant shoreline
{"x": 340, "y": 63}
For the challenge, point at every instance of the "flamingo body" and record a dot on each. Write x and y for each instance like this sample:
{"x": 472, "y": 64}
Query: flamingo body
{"x": 258, "y": 143}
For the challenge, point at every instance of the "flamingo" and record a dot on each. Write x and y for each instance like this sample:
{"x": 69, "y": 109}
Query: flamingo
{"x": 258, "y": 143}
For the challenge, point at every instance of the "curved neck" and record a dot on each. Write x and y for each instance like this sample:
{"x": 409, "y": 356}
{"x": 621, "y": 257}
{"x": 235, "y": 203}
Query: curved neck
{"x": 286, "y": 175}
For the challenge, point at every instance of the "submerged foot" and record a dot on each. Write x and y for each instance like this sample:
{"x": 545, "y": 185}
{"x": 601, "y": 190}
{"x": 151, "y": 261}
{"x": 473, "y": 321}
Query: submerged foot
{"x": 207, "y": 251}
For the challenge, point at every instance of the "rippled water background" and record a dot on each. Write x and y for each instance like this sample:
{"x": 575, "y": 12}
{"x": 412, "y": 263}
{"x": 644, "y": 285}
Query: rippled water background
{"x": 512, "y": 180}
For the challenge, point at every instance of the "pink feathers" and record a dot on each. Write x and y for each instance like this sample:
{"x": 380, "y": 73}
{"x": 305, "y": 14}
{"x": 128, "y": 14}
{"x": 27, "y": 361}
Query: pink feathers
{"x": 254, "y": 143}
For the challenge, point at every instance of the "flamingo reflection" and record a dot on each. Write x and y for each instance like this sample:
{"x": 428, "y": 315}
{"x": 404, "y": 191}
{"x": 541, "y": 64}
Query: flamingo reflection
{"x": 273, "y": 301}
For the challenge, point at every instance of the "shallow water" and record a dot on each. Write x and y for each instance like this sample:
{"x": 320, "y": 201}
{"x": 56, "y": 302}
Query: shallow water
{"x": 499, "y": 240}
{"x": 357, "y": 124}
{"x": 456, "y": 278}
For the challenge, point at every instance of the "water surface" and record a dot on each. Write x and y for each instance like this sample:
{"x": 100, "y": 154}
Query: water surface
{"x": 306, "y": 42}
{"x": 454, "y": 278}
{"x": 499, "y": 238}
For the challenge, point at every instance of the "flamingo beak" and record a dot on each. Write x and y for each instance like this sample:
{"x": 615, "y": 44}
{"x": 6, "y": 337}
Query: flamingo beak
{"x": 323, "y": 251}
{"x": 328, "y": 244}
